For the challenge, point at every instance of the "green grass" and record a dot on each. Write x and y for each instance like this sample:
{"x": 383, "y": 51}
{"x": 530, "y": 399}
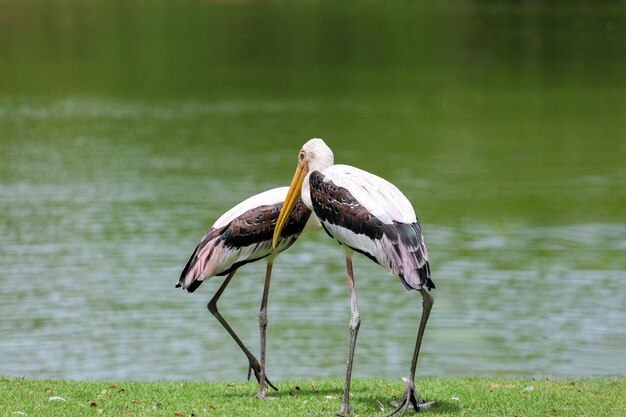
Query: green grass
{"x": 454, "y": 397}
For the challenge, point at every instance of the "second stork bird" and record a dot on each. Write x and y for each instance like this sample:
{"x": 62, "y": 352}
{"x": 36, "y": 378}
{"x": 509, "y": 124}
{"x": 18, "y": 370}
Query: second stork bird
{"x": 369, "y": 215}
{"x": 241, "y": 235}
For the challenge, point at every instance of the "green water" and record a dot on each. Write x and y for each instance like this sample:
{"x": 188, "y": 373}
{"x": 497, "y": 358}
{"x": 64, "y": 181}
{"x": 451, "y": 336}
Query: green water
{"x": 127, "y": 128}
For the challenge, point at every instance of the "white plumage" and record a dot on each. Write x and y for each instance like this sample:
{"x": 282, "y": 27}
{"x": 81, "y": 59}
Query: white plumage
{"x": 266, "y": 198}
{"x": 380, "y": 197}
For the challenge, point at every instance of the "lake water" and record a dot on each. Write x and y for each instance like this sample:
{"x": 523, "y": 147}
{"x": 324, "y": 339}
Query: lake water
{"x": 127, "y": 128}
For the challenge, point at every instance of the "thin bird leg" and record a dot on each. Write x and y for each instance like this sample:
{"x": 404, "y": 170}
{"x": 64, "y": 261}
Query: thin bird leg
{"x": 355, "y": 323}
{"x": 411, "y": 396}
{"x": 212, "y": 306}
{"x": 262, "y": 393}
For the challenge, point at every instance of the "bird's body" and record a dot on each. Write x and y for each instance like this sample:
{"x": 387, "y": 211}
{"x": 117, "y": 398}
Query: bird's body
{"x": 242, "y": 235}
{"x": 366, "y": 214}
{"x": 371, "y": 216}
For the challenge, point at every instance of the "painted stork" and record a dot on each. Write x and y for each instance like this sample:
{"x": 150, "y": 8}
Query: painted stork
{"x": 241, "y": 235}
{"x": 369, "y": 215}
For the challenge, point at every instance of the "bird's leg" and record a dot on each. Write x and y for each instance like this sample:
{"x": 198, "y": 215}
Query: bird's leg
{"x": 262, "y": 393}
{"x": 355, "y": 323}
{"x": 411, "y": 396}
{"x": 212, "y": 306}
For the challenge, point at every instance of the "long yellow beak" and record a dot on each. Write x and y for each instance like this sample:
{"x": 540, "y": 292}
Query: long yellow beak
{"x": 290, "y": 201}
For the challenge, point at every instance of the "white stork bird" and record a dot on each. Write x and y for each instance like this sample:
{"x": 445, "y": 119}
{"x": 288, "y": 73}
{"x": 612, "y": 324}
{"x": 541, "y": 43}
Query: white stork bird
{"x": 241, "y": 235}
{"x": 369, "y": 215}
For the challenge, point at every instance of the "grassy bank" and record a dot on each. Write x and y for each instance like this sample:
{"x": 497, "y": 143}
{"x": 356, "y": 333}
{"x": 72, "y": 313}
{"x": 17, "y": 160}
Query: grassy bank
{"x": 455, "y": 397}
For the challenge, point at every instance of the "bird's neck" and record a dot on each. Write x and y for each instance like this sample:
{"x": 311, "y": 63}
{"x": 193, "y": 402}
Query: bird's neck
{"x": 306, "y": 192}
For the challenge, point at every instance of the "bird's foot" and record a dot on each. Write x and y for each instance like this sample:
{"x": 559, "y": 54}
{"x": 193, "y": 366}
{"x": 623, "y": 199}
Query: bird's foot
{"x": 254, "y": 366}
{"x": 262, "y": 395}
{"x": 345, "y": 410}
{"x": 410, "y": 398}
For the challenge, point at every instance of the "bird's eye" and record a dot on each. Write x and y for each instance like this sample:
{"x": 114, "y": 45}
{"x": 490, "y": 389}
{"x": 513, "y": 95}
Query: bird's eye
{"x": 301, "y": 156}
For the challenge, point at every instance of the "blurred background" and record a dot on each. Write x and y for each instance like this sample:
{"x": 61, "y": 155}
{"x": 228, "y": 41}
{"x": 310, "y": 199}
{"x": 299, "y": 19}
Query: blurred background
{"x": 128, "y": 127}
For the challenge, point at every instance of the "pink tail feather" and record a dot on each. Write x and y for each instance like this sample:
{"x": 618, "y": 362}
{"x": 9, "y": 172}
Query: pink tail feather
{"x": 202, "y": 263}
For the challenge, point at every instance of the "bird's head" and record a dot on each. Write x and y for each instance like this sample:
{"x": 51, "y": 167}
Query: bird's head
{"x": 315, "y": 155}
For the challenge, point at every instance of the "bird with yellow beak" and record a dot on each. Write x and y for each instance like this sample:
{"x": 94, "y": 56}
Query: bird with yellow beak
{"x": 366, "y": 214}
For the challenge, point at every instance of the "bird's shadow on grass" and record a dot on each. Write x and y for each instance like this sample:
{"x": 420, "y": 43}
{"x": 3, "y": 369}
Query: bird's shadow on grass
{"x": 390, "y": 403}
{"x": 292, "y": 392}
{"x": 360, "y": 403}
